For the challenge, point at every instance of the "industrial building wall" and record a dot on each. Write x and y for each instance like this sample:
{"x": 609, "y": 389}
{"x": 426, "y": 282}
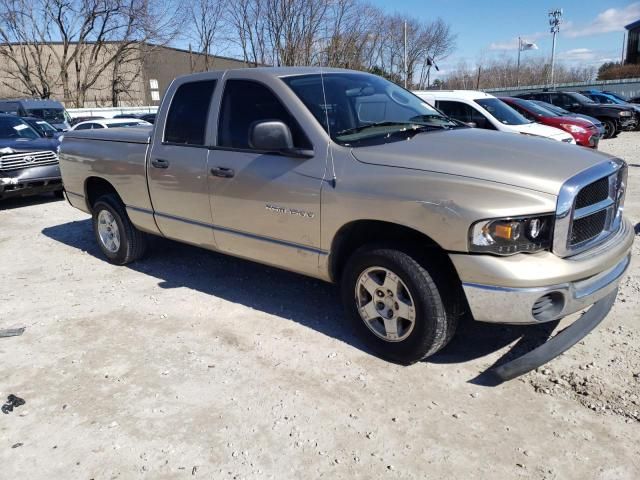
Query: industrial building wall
{"x": 99, "y": 94}
{"x": 143, "y": 77}
{"x": 162, "y": 64}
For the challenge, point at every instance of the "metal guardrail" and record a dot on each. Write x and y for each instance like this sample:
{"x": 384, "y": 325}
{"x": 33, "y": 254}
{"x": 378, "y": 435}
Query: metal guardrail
{"x": 627, "y": 87}
{"x": 110, "y": 112}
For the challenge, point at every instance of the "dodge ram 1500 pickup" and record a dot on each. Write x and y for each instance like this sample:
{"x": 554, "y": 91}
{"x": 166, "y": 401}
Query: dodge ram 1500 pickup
{"x": 346, "y": 177}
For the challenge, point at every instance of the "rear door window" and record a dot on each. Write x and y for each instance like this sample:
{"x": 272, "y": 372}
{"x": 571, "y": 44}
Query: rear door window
{"x": 188, "y": 114}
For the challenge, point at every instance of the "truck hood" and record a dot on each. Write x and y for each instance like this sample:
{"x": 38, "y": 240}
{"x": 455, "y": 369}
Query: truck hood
{"x": 28, "y": 145}
{"x": 521, "y": 160}
{"x": 618, "y": 108}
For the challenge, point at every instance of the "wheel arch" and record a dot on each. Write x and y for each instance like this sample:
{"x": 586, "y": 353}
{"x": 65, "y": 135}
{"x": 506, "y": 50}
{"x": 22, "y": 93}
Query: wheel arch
{"x": 358, "y": 233}
{"x": 95, "y": 187}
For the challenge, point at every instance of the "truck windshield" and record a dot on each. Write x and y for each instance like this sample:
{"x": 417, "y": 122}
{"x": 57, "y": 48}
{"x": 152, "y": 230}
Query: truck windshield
{"x": 53, "y": 115}
{"x": 357, "y": 109}
{"x": 502, "y": 112}
{"x": 43, "y": 125}
{"x": 16, "y": 129}
{"x": 578, "y": 97}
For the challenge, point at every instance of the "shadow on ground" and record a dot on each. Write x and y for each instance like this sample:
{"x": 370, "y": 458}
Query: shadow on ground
{"x": 19, "y": 202}
{"x": 310, "y": 302}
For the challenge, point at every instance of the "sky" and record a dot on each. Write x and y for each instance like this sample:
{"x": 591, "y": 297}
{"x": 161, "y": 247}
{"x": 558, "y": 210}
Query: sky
{"x": 591, "y": 32}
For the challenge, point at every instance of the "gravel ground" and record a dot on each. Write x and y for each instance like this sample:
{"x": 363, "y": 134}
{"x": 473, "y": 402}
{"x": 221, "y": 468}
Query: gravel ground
{"x": 191, "y": 364}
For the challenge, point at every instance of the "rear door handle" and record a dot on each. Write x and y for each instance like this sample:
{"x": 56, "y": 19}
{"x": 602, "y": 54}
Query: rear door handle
{"x": 223, "y": 172}
{"x": 160, "y": 163}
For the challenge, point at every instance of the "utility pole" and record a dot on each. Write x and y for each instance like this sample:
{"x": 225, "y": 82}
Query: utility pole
{"x": 555, "y": 17}
{"x": 518, "y": 67}
{"x": 406, "y": 68}
{"x": 624, "y": 38}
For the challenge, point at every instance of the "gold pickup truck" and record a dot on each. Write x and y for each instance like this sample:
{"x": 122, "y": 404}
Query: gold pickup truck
{"x": 346, "y": 177}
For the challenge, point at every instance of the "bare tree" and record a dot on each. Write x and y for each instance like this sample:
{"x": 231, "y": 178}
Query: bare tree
{"x": 502, "y": 72}
{"x": 246, "y": 19}
{"x": 74, "y": 44}
{"x": 207, "y": 20}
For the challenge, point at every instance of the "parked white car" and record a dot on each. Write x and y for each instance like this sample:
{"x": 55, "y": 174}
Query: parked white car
{"x": 110, "y": 123}
{"x": 479, "y": 109}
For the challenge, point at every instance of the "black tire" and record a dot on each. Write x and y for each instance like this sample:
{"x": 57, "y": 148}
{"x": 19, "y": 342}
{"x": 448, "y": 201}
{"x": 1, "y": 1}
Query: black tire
{"x": 437, "y": 307}
{"x": 59, "y": 194}
{"x": 609, "y": 128}
{"x": 132, "y": 242}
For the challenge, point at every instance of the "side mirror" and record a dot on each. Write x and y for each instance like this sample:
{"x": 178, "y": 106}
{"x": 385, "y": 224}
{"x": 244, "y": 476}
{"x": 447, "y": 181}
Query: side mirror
{"x": 274, "y": 136}
{"x": 471, "y": 124}
{"x": 48, "y": 134}
{"x": 574, "y": 106}
{"x": 271, "y": 135}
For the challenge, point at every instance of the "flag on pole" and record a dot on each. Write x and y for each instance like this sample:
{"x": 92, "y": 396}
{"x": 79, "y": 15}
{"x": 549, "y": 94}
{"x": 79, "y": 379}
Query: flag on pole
{"x": 524, "y": 45}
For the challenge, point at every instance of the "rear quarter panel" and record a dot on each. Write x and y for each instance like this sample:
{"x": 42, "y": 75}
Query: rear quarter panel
{"x": 120, "y": 163}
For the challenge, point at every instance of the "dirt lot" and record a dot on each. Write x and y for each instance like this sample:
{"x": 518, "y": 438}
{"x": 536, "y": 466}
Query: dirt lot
{"x": 194, "y": 365}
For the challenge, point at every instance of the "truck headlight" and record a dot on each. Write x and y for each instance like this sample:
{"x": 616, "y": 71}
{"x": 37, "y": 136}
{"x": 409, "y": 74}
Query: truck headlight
{"x": 506, "y": 236}
{"x": 625, "y": 114}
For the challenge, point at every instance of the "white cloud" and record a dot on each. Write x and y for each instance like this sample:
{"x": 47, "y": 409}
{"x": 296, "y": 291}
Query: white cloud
{"x": 611, "y": 20}
{"x": 578, "y": 54}
{"x": 585, "y": 56}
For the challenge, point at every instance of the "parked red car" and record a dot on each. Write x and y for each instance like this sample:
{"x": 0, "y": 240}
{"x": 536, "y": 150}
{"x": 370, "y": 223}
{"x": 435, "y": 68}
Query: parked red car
{"x": 584, "y": 132}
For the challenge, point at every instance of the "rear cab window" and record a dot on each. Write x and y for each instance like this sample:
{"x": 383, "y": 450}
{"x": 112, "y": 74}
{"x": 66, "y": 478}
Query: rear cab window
{"x": 188, "y": 114}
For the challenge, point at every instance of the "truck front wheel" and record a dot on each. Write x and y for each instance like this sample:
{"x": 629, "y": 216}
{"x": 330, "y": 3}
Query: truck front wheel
{"x": 118, "y": 239}
{"x": 396, "y": 305}
{"x": 610, "y": 128}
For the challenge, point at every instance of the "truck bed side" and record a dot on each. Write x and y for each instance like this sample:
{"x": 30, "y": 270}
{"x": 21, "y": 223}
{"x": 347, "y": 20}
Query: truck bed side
{"x": 117, "y": 156}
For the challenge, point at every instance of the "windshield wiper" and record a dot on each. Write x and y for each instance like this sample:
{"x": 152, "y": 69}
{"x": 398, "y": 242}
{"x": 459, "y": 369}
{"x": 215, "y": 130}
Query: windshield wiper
{"x": 415, "y": 129}
{"x": 349, "y": 131}
{"x": 422, "y": 118}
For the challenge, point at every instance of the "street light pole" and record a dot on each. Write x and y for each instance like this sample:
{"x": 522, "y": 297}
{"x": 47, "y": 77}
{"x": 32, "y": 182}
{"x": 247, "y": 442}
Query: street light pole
{"x": 518, "y": 67}
{"x": 406, "y": 69}
{"x": 555, "y": 17}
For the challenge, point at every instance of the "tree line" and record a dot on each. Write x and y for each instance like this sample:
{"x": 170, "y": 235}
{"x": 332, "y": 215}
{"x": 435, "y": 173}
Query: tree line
{"x": 504, "y": 73}
{"x": 78, "y": 46}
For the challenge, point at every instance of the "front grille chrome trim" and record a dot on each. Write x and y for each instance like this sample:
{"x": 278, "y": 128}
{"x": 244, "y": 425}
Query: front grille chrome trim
{"x": 565, "y": 213}
{"x": 17, "y": 161}
{"x": 591, "y": 209}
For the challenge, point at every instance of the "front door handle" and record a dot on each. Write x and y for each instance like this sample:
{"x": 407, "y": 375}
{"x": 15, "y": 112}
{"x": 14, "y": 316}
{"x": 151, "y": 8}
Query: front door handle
{"x": 223, "y": 172}
{"x": 160, "y": 163}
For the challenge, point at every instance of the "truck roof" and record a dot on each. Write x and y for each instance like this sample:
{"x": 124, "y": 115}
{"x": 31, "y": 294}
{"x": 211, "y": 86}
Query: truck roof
{"x": 278, "y": 71}
{"x": 33, "y": 102}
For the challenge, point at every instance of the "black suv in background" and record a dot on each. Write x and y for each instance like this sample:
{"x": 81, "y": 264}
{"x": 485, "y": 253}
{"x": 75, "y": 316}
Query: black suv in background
{"x": 28, "y": 161}
{"x": 615, "y": 118}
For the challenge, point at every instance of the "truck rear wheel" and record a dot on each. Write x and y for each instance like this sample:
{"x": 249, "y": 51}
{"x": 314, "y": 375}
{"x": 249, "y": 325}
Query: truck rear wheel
{"x": 118, "y": 239}
{"x": 396, "y": 305}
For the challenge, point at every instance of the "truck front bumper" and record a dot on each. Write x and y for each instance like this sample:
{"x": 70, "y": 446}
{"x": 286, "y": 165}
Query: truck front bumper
{"x": 30, "y": 181}
{"x": 536, "y": 288}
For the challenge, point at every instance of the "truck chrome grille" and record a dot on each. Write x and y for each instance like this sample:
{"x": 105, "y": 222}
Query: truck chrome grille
{"x": 584, "y": 229}
{"x": 16, "y": 161}
{"x": 590, "y": 208}
{"x": 594, "y": 193}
